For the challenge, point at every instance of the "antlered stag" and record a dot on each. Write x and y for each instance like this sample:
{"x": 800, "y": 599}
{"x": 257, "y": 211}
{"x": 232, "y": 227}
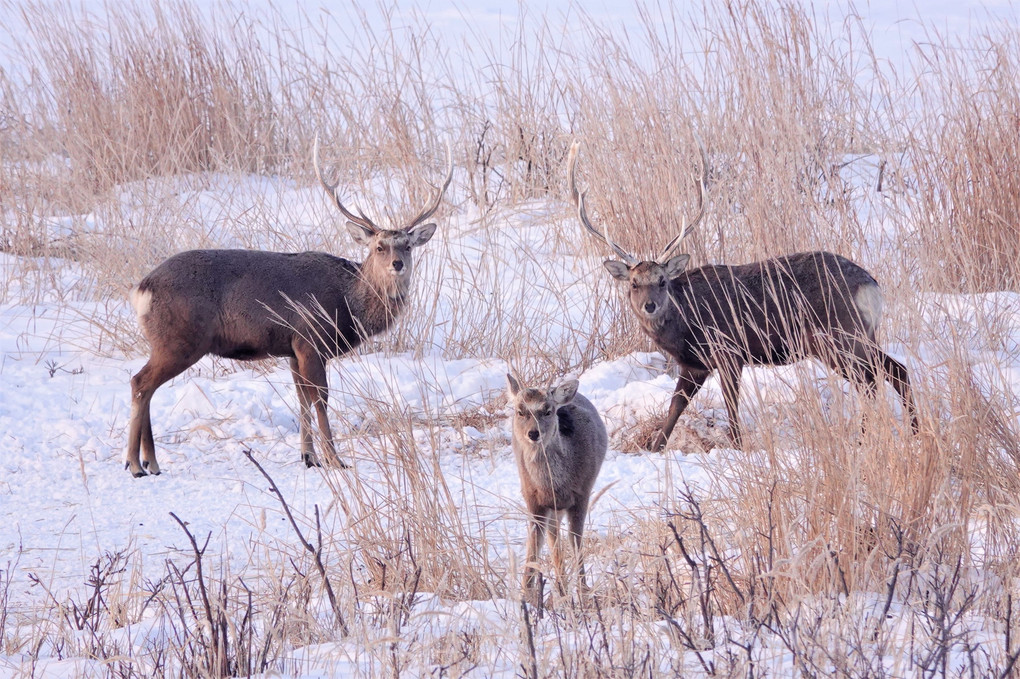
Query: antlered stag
{"x": 250, "y": 304}
{"x": 559, "y": 442}
{"x": 772, "y": 312}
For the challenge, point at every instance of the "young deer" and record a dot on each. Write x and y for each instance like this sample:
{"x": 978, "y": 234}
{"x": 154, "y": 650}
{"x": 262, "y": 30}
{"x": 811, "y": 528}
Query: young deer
{"x": 249, "y": 305}
{"x": 559, "y": 443}
{"x": 773, "y": 312}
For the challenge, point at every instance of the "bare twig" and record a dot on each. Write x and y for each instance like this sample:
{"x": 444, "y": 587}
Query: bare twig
{"x": 314, "y": 550}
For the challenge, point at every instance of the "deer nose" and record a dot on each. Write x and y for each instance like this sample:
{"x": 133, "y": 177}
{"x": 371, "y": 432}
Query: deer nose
{"x": 398, "y": 264}
{"x": 533, "y": 434}
{"x": 649, "y": 307}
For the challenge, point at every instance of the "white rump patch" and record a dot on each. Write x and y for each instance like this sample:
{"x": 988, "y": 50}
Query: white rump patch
{"x": 869, "y": 302}
{"x": 140, "y": 301}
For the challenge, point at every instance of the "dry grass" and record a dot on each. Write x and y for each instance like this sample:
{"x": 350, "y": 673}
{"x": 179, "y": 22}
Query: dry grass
{"x": 799, "y": 539}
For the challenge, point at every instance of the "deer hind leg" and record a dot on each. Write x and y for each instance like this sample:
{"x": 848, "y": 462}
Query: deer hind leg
{"x": 143, "y": 386}
{"x": 311, "y": 378}
{"x": 576, "y": 518}
{"x": 862, "y": 363}
{"x": 862, "y": 374}
{"x": 896, "y": 374}
{"x": 856, "y": 361}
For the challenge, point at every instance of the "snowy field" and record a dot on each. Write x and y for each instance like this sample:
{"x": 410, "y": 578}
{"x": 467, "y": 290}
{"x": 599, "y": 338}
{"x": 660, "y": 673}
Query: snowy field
{"x": 67, "y": 500}
{"x": 424, "y": 423}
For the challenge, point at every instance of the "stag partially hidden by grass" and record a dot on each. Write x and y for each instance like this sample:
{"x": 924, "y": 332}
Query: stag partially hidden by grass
{"x": 559, "y": 442}
{"x": 250, "y": 305}
{"x": 774, "y": 312}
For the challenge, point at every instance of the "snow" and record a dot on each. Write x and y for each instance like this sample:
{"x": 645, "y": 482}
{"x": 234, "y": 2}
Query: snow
{"x": 66, "y": 500}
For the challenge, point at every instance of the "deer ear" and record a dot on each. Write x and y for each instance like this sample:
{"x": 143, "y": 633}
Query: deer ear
{"x": 360, "y": 234}
{"x": 420, "y": 235}
{"x": 677, "y": 265}
{"x": 513, "y": 386}
{"x": 564, "y": 392}
{"x": 618, "y": 270}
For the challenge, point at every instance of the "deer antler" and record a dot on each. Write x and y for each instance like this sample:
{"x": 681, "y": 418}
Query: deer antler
{"x": 331, "y": 189}
{"x": 431, "y": 208}
{"x": 686, "y": 229}
{"x": 582, "y": 214}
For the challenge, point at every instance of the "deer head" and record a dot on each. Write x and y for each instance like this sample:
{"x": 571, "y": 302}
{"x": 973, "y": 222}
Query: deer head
{"x": 389, "y": 262}
{"x": 648, "y": 279}
{"x": 534, "y": 417}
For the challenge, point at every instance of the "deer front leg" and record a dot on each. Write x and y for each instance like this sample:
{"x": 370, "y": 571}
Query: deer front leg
{"x": 312, "y": 373}
{"x": 576, "y": 517}
{"x": 729, "y": 379}
{"x": 304, "y": 415}
{"x": 686, "y": 387}
{"x": 556, "y": 550}
{"x": 537, "y": 525}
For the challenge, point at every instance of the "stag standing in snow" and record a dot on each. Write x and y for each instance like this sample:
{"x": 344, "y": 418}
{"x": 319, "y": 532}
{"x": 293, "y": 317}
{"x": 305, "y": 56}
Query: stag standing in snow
{"x": 250, "y": 305}
{"x": 773, "y": 312}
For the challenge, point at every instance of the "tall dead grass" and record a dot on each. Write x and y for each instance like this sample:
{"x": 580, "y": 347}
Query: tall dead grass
{"x": 963, "y": 150}
{"x": 784, "y": 101}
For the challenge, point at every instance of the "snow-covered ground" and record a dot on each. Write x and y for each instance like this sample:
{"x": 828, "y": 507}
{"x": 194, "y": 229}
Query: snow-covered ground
{"x": 67, "y": 501}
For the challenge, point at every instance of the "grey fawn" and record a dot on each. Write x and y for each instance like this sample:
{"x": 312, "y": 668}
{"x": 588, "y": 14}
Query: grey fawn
{"x": 559, "y": 443}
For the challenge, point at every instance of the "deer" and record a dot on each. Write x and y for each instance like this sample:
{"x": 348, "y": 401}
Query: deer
{"x": 559, "y": 442}
{"x": 249, "y": 305}
{"x": 720, "y": 318}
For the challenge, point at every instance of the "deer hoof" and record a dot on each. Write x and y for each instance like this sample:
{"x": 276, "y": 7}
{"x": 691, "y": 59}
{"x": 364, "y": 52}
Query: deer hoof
{"x": 654, "y": 442}
{"x": 312, "y": 461}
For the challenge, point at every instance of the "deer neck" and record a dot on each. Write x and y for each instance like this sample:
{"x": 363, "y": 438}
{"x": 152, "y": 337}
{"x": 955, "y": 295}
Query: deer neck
{"x": 378, "y": 301}
{"x": 542, "y": 462}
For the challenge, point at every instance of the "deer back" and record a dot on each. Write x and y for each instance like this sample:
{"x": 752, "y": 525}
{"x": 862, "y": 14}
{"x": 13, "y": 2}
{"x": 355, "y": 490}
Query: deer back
{"x": 769, "y": 312}
{"x": 250, "y": 304}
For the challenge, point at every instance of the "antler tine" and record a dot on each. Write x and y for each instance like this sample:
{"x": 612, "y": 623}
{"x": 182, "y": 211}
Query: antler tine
{"x": 430, "y": 209}
{"x": 331, "y": 189}
{"x": 582, "y": 214}
{"x": 688, "y": 228}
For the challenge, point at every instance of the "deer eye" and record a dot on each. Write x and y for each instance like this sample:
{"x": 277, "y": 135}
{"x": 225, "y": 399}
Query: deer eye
{"x": 662, "y": 282}
{"x": 379, "y": 248}
{"x": 634, "y": 285}
{"x": 522, "y": 412}
{"x": 545, "y": 412}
